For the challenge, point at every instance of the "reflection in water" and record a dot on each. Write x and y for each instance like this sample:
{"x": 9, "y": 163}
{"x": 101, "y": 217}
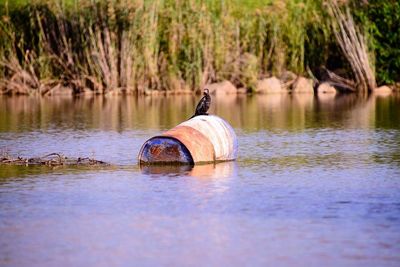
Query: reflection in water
{"x": 314, "y": 174}
{"x": 219, "y": 170}
{"x": 10, "y": 172}
{"x": 158, "y": 169}
{"x": 279, "y": 111}
{"x": 215, "y": 171}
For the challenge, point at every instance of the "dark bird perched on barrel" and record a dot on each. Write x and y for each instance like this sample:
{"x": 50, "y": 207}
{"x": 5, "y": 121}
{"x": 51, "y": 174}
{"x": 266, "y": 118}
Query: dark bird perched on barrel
{"x": 203, "y": 105}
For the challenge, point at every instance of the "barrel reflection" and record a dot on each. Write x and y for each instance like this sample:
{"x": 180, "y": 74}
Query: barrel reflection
{"x": 208, "y": 171}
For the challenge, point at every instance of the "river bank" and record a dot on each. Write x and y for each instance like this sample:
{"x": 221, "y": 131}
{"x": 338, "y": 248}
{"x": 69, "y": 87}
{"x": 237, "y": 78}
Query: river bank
{"x": 267, "y": 86}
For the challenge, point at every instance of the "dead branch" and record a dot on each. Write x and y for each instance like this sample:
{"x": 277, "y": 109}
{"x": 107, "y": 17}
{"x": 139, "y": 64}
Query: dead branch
{"x": 354, "y": 47}
{"x": 52, "y": 159}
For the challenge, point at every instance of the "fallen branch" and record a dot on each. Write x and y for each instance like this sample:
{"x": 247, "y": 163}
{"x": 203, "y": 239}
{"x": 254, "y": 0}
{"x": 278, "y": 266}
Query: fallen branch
{"x": 340, "y": 82}
{"x": 53, "y": 159}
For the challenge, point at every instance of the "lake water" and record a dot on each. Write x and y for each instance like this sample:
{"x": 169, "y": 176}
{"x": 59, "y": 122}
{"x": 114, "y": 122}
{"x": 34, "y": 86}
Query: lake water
{"x": 317, "y": 183}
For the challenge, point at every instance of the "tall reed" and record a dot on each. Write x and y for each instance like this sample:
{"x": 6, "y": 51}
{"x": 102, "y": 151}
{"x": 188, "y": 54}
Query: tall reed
{"x": 140, "y": 45}
{"x": 354, "y": 46}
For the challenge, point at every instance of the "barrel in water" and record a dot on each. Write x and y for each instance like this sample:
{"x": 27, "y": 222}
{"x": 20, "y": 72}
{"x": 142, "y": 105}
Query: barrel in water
{"x": 201, "y": 139}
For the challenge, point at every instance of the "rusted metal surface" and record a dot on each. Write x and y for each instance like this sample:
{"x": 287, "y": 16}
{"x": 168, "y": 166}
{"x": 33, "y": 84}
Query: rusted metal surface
{"x": 200, "y": 148}
{"x": 201, "y": 139}
{"x": 166, "y": 150}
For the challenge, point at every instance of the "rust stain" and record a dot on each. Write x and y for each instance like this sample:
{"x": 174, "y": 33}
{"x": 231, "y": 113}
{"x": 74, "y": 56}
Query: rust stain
{"x": 162, "y": 149}
{"x": 200, "y": 147}
{"x": 165, "y": 152}
{"x": 155, "y": 151}
{"x": 172, "y": 151}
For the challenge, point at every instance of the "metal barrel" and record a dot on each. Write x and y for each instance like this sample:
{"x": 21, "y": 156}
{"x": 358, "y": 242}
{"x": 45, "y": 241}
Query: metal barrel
{"x": 202, "y": 139}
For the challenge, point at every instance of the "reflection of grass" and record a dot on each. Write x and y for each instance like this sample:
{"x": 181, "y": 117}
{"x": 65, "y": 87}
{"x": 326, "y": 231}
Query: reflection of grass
{"x": 10, "y": 171}
{"x": 289, "y": 113}
{"x": 172, "y": 45}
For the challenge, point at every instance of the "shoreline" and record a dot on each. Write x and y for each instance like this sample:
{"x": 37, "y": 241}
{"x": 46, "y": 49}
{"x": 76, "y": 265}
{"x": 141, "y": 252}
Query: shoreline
{"x": 267, "y": 86}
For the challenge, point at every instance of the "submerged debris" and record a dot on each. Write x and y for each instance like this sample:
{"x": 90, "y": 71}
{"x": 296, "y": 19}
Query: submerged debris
{"x": 53, "y": 159}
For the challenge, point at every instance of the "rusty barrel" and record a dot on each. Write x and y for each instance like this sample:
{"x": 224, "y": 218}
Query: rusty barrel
{"x": 202, "y": 139}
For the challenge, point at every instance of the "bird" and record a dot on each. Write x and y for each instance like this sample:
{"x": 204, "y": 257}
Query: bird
{"x": 203, "y": 105}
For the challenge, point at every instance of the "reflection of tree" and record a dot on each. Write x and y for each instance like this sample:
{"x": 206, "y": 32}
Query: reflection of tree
{"x": 354, "y": 112}
{"x": 337, "y": 110}
{"x": 388, "y": 112}
{"x": 251, "y": 113}
{"x": 387, "y": 118}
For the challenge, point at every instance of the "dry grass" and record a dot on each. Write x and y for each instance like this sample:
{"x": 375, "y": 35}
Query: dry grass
{"x": 24, "y": 79}
{"x": 354, "y": 46}
{"x": 135, "y": 46}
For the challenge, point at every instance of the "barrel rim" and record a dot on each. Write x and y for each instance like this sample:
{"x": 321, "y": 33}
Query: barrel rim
{"x": 165, "y": 163}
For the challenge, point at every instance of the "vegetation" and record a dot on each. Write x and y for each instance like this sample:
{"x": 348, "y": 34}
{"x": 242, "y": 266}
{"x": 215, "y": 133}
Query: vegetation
{"x": 382, "y": 21}
{"x": 139, "y": 45}
{"x": 354, "y": 46}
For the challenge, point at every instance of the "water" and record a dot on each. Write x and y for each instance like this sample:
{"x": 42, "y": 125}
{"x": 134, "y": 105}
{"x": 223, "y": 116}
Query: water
{"x": 317, "y": 183}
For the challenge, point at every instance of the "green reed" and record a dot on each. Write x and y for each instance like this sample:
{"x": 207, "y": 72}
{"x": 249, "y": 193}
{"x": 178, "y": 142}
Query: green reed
{"x": 140, "y": 45}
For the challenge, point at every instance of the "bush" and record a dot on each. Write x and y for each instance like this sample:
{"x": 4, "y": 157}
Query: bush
{"x": 382, "y": 21}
